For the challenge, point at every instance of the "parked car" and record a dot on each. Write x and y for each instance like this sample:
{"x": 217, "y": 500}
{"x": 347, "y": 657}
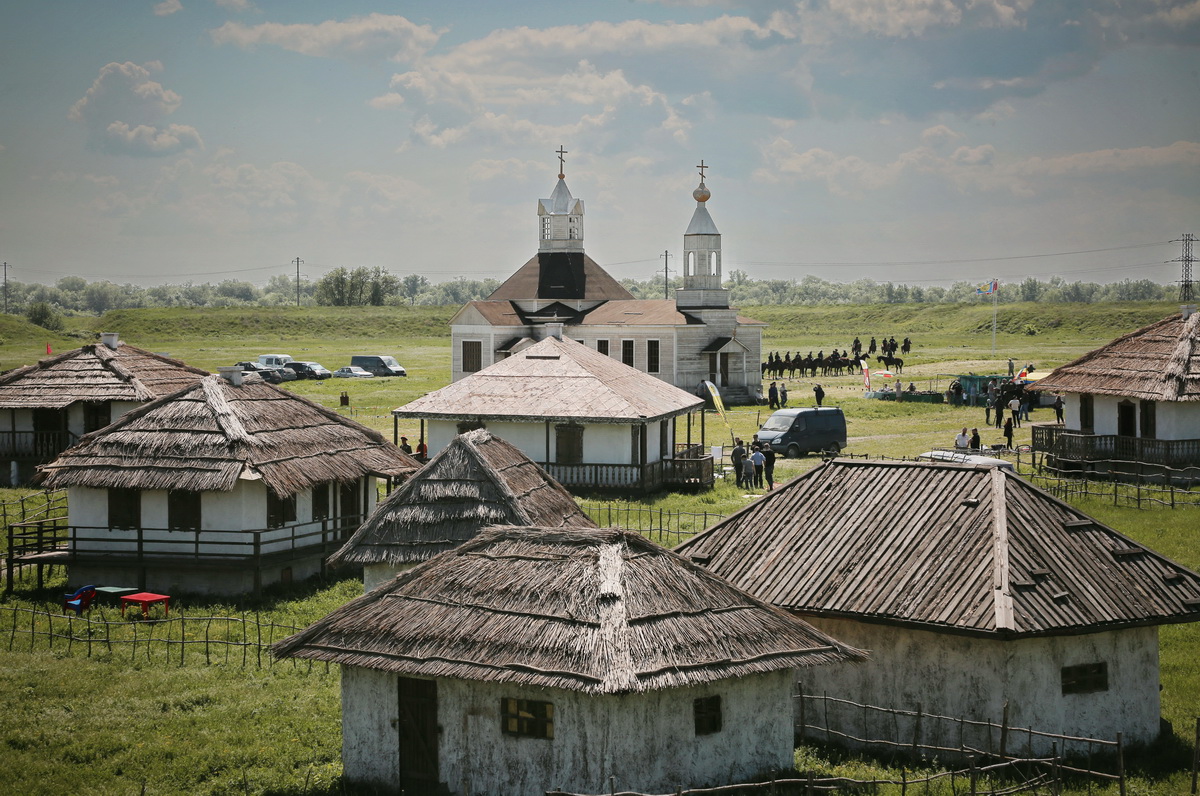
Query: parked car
{"x": 793, "y": 432}
{"x": 352, "y": 372}
{"x": 273, "y": 360}
{"x": 309, "y": 370}
{"x": 378, "y": 364}
{"x": 270, "y": 375}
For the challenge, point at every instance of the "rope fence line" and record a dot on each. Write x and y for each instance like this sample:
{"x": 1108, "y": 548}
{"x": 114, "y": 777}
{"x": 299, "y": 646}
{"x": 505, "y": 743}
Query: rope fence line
{"x": 243, "y": 641}
{"x": 665, "y": 526}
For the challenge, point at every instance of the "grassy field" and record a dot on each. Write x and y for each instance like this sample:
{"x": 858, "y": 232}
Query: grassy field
{"x": 117, "y": 727}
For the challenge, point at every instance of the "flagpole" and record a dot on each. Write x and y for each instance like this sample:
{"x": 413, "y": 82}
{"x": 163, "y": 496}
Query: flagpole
{"x": 995, "y": 293}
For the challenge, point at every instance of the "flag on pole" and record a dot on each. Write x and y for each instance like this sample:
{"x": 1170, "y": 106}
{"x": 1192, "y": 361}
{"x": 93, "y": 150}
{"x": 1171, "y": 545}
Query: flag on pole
{"x": 48, "y": 350}
{"x": 1024, "y": 373}
{"x": 988, "y": 288}
{"x": 718, "y": 404}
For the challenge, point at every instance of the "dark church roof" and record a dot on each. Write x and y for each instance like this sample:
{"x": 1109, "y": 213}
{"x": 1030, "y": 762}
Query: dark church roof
{"x": 560, "y": 275}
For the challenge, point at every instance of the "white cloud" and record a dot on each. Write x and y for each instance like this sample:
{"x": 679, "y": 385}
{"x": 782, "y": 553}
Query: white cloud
{"x": 146, "y": 140}
{"x": 120, "y": 107}
{"x": 236, "y": 5}
{"x": 968, "y": 168}
{"x": 386, "y": 101}
{"x": 167, "y": 7}
{"x": 371, "y": 36}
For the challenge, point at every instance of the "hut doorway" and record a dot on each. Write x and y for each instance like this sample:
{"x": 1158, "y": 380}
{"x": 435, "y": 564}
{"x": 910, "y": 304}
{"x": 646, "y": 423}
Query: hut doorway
{"x": 1126, "y": 419}
{"x": 418, "y": 735}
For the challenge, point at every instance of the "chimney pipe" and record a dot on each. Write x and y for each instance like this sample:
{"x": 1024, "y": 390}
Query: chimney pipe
{"x": 554, "y": 330}
{"x": 110, "y": 339}
{"x": 231, "y": 374}
{"x": 1186, "y": 310}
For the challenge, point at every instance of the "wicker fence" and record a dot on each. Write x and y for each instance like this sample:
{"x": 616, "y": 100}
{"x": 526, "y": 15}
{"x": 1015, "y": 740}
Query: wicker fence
{"x": 1125, "y": 483}
{"x": 664, "y": 526}
{"x": 177, "y": 640}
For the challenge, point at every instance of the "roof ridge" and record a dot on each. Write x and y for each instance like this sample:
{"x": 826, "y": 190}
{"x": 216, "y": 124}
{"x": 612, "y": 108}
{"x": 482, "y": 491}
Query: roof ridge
{"x": 218, "y": 403}
{"x": 1177, "y": 365}
{"x": 1001, "y": 571}
{"x": 614, "y": 614}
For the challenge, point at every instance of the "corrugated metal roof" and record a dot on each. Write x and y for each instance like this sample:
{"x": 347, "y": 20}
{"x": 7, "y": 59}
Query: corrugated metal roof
{"x": 942, "y": 546}
{"x": 555, "y": 380}
{"x": 1159, "y": 362}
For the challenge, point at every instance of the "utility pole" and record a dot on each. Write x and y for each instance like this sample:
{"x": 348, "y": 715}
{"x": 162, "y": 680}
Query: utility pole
{"x": 298, "y": 261}
{"x": 666, "y": 255}
{"x": 1185, "y": 283}
{"x": 5, "y": 265}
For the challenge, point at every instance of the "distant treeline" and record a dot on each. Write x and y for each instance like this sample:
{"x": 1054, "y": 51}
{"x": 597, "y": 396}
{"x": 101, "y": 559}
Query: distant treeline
{"x": 45, "y": 304}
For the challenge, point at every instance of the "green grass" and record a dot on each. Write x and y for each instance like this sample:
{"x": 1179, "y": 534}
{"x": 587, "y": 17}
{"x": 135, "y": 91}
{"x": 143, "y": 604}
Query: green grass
{"x": 111, "y": 726}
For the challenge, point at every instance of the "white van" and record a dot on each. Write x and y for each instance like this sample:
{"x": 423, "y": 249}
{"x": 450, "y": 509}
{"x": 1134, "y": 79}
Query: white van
{"x": 274, "y": 360}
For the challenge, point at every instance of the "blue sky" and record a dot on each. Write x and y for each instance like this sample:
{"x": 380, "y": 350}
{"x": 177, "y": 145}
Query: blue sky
{"x": 923, "y": 141}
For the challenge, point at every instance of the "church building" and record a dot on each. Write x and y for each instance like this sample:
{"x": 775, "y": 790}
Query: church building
{"x": 692, "y": 338}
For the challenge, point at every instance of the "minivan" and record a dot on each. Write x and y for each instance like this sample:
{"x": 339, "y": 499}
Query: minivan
{"x": 378, "y": 365}
{"x": 794, "y": 432}
{"x": 273, "y": 360}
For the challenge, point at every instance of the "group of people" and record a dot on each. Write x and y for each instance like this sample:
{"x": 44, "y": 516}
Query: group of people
{"x": 777, "y": 364}
{"x": 777, "y": 395}
{"x": 754, "y": 467}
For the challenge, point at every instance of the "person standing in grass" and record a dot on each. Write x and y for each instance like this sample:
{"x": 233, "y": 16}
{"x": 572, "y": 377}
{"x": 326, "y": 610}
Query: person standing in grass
{"x": 760, "y": 464}
{"x": 748, "y": 472}
{"x": 735, "y": 458}
{"x": 782, "y": 396}
{"x": 769, "y": 465}
{"x": 1008, "y": 432}
{"x": 1058, "y": 409}
{"x": 974, "y": 442}
{"x": 1015, "y": 407}
{"x": 819, "y": 394}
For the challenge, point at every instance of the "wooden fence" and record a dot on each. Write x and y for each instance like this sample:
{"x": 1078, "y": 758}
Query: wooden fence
{"x": 1033, "y": 775}
{"x": 917, "y": 733}
{"x": 1125, "y": 483}
{"x": 179, "y": 640}
{"x": 665, "y": 526}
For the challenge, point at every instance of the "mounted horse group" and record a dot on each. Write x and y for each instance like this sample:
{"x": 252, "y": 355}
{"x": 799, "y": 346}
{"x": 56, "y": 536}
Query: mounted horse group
{"x": 836, "y": 363}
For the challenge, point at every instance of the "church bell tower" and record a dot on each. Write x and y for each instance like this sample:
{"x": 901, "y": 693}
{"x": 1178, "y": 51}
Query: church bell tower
{"x": 701, "y": 257}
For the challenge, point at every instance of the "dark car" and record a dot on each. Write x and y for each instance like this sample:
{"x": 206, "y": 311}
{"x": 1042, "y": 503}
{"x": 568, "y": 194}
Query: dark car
{"x": 270, "y": 375}
{"x": 309, "y": 370}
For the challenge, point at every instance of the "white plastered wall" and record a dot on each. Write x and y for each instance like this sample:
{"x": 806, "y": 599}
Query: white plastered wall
{"x": 969, "y": 677}
{"x": 647, "y": 741}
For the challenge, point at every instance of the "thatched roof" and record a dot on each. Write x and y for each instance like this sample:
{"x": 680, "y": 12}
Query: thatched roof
{"x": 206, "y": 437}
{"x": 598, "y": 611}
{"x": 476, "y": 481}
{"x": 945, "y": 547}
{"x": 95, "y": 373}
{"x": 1159, "y": 362}
{"x": 555, "y": 380}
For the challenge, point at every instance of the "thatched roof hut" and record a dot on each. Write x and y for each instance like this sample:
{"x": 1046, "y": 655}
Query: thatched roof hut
{"x": 476, "y": 481}
{"x": 1159, "y": 362}
{"x": 97, "y": 372}
{"x": 620, "y": 657}
{"x": 209, "y": 435}
{"x": 597, "y": 611}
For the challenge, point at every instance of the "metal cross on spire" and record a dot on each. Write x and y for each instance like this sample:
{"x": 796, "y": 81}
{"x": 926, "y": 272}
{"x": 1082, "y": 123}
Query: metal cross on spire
{"x": 702, "y": 167}
{"x": 561, "y": 162}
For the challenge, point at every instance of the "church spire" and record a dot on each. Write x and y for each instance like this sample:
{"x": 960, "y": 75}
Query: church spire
{"x": 702, "y": 255}
{"x": 560, "y": 218}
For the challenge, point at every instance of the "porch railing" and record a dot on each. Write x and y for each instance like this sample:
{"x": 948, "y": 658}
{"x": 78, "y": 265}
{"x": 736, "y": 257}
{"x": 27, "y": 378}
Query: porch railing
{"x": 697, "y": 471}
{"x": 35, "y": 446}
{"x": 1070, "y": 445}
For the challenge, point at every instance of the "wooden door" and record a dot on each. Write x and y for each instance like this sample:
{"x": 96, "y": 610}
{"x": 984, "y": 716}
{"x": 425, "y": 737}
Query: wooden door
{"x": 1126, "y": 419}
{"x": 418, "y": 736}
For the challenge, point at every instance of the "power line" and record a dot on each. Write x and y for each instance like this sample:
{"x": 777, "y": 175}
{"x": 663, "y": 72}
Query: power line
{"x": 869, "y": 264}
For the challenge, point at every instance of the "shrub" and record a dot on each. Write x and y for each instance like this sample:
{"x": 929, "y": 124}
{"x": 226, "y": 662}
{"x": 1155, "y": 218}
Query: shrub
{"x": 43, "y": 315}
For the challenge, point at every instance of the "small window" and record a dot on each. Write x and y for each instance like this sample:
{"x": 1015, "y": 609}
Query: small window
{"x": 527, "y": 718}
{"x": 1087, "y": 413}
{"x": 635, "y": 445}
{"x": 707, "y": 712}
{"x": 1085, "y": 678}
{"x": 602, "y": 347}
{"x": 568, "y": 444}
{"x": 96, "y": 416}
{"x": 627, "y": 352}
{"x": 545, "y": 228}
{"x": 280, "y": 511}
{"x": 124, "y": 508}
{"x": 472, "y": 356}
{"x": 183, "y": 510}
{"x": 1149, "y": 419}
{"x": 652, "y": 356}
{"x": 320, "y": 502}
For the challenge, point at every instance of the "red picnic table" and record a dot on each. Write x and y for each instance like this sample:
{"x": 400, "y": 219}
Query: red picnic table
{"x": 146, "y": 599}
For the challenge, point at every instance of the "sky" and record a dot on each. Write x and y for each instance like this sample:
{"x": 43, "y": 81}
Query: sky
{"x": 918, "y": 141}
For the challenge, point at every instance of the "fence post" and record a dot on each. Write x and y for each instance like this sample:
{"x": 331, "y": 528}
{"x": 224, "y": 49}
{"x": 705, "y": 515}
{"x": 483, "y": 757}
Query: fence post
{"x": 916, "y": 729}
{"x": 1004, "y": 731}
{"x": 1121, "y": 763}
{"x": 1195, "y": 754}
{"x": 1054, "y": 769}
{"x": 971, "y": 760}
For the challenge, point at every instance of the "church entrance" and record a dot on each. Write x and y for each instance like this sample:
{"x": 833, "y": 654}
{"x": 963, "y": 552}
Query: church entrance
{"x": 718, "y": 369}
